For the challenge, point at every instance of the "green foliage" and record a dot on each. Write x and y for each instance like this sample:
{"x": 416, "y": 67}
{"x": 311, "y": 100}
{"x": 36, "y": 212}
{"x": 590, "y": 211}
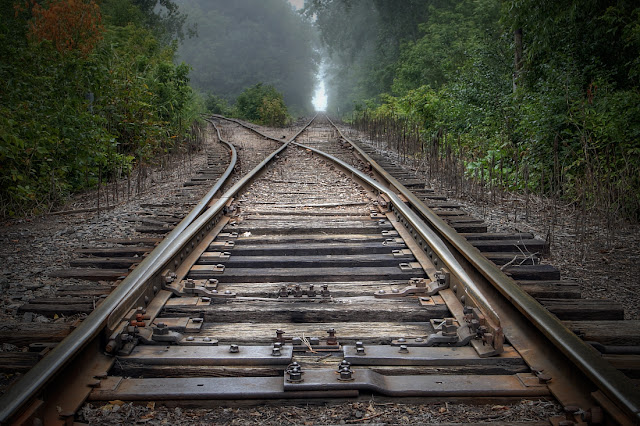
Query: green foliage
{"x": 217, "y": 105}
{"x": 262, "y": 104}
{"x": 363, "y": 39}
{"x": 69, "y": 120}
{"x": 569, "y": 128}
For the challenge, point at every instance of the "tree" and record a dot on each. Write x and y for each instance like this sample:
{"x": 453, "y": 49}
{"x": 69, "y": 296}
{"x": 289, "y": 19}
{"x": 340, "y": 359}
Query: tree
{"x": 262, "y": 104}
{"x": 71, "y": 25}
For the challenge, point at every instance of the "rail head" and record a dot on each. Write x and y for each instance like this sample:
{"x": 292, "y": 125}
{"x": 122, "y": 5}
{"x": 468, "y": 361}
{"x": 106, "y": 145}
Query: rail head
{"x": 125, "y": 296}
{"x": 615, "y": 385}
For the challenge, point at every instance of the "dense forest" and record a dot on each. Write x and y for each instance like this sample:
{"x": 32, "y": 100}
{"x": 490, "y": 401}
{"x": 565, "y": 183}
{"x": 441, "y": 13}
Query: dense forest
{"x": 527, "y": 95}
{"x": 87, "y": 92}
{"x": 244, "y": 42}
{"x": 544, "y": 94}
{"x": 91, "y": 89}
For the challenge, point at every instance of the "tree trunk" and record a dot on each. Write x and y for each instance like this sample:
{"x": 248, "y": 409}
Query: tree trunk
{"x": 517, "y": 57}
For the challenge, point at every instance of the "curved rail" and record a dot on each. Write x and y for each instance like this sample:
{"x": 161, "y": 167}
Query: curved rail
{"x": 422, "y": 220}
{"x": 608, "y": 379}
{"x": 132, "y": 288}
{"x": 34, "y": 380}
{"x": 246, "y": 126}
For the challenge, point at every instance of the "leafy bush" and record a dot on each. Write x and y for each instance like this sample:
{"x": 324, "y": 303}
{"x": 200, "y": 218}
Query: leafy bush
{"x": 262, "y": 104}
{"x": 216, "y": 105}
{"x": 566, "y": 124}
{"x": 81, "y": 102}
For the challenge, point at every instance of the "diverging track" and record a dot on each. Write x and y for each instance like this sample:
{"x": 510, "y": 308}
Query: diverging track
{"x": 312, "y": 279}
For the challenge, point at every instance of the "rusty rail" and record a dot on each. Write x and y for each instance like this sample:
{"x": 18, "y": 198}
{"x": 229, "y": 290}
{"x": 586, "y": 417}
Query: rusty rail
{"x": 615, "y": 385}
{"x": 134, "y": 287}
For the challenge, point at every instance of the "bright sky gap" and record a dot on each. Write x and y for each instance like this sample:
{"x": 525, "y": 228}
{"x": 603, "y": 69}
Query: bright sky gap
{"x": 320, "y": 97}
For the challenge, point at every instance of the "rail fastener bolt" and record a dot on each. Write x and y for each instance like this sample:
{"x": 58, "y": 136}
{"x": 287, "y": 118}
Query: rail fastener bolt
{"x": 332, "y": 340}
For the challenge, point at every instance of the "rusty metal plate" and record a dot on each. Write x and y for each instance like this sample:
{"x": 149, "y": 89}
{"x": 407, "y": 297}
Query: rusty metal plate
{"x": 181, "y": 324}
{"x": 117, "y": 388}
{"x": 188, "y": 301}
{"x": 391, "y": 355}
{"x": 427, "y": 385}
{"x": 209, "y": 355}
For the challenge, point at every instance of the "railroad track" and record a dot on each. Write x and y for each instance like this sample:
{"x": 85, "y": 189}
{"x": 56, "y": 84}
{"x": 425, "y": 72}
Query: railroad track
{"x": 321, "y": 275}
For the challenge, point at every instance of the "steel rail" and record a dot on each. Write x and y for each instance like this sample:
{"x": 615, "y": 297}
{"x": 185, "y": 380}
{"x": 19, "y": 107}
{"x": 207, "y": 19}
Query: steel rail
{"x": 615, "y": 385}
{"x": 37, "y": 377}
{"x": 154, "y": 266}
{"x": 435, "y": 242}
{"x": 424, "y": 231}
{"x": 27, "y": 388}
{"x": 246, "y": 126}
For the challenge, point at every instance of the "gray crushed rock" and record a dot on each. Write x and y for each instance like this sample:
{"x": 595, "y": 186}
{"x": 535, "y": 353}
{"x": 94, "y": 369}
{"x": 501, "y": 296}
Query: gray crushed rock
{"x": 372, "y": 411}
{"x": 601, "y": 254}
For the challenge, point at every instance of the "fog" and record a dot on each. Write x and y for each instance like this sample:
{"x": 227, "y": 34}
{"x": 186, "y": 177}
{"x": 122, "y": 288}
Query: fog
{"x": 320, "y": 97}
{"x": 243, "y": 42}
